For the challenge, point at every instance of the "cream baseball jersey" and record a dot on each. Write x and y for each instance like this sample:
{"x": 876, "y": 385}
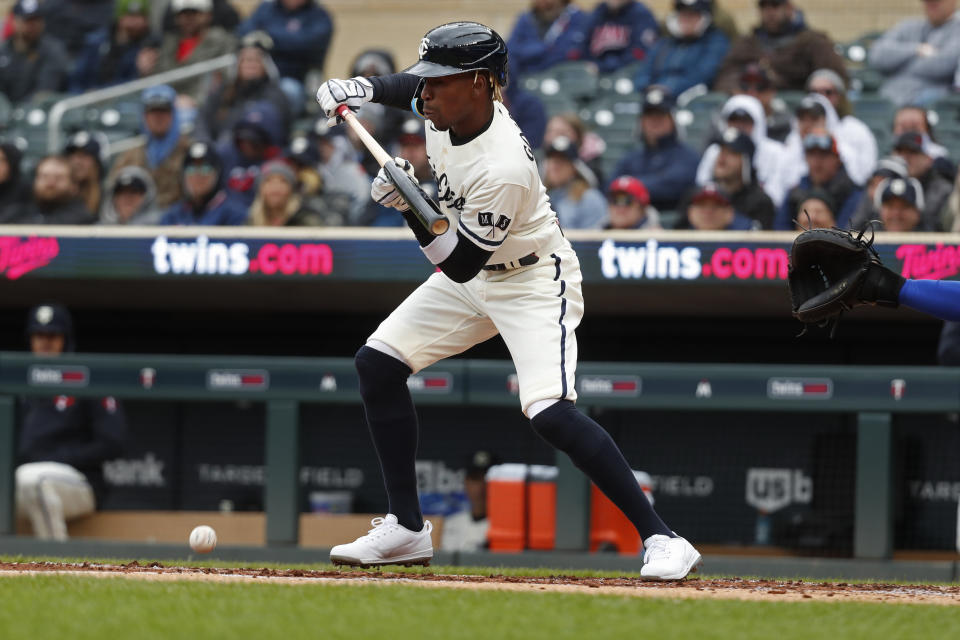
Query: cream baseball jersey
{"x": 490, "y": 188}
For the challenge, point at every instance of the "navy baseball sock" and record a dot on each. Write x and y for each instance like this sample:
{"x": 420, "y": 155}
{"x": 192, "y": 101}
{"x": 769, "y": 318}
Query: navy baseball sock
{"x": 595, "y": 453}
{"x": 393, "y": 425}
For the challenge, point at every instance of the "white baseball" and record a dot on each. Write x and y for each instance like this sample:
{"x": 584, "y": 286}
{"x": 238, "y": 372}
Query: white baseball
{"x": 203, "y": 539}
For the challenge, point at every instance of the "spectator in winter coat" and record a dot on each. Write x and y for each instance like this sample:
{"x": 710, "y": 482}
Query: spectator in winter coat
{"x": 162, "y": 156}
{"x": 163, "y": 18}
{"x": 73, "y": 21}
{"x": 341, "y": 172}
{"x": 277, "y": 203}
{"x": 850, "y": 129}
{"x": 889, "y": 167}
{"x": 205, "y": 202}
{"x": 332, "y": 205}
{"x": 591, "y": 146}
{"x": 109, "y": 55}
{"x": 130, "y": 199}
{"x": 628, "y": 206}
{"x": 914, "y": 149}
{"x": 619, "y": 32}
{"x": 13, "y": 191}
{"x": 665, "y": 165}
{"x": 553, "y": 31}
{"x": 194, "y": 41}
{"x": 253, "y": 79}
{"x": 710, "y": 209}
{"x": 62, "y": 441}
{"x": 83, "y": 152}
{"x": 770, "y": 160}
{"x": 527, "y": 111}
{"x": 816, "y": 210}
{"x": 691, "y": 52}
{"x": 301, "y": 32}
{"x": 55, "y": 199}
{"x": 916, "y": 119}
{"x": 755, "y": 81}
{"x": 919, "y": 56}
{"x": 815, "y": 111}
{"x": 784, "y": 44}
{"x": 901, "y": 203}
{"x": 825, "y": 170}
{"x": 735, "y": 175}
{"x": 578, "y": 204}
{"x": 31, "y": 61}
{"x": 257, "y": 137}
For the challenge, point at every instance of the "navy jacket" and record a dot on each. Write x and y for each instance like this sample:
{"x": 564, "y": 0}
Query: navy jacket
{"x": 103, "y": 62}
{"x": 668, "y": 170}
{"x": 300, "y": 38}
{"x": 618, "y": 38}
{"x": 80, "y": 432}
{"x": 528, "y": 112}
{"x": 531, "y": 52}
{"x": 219, "y": 210}
{"x": 844, "y": 192}
{"x": 681, "y": 64}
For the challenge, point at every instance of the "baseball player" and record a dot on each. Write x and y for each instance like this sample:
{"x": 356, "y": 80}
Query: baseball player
{"x": 504, "y": 267}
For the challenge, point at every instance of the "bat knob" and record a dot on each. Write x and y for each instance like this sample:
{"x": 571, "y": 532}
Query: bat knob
{"x": 439, "y": 226}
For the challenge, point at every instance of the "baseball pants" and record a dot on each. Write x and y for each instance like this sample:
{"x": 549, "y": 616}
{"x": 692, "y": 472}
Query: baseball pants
{"x": 49, "y": 494}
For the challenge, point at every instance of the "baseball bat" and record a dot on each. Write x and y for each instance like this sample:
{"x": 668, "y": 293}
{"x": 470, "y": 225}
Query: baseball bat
{"x": 424, "y": 208}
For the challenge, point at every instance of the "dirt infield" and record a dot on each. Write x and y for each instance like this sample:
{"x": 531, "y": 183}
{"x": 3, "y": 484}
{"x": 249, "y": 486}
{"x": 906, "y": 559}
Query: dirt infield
{"x": 726, "y": 588}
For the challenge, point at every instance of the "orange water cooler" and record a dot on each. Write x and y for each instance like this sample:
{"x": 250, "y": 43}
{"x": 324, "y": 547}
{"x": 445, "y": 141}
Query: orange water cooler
{"x": 609, "y": 527}
{"x": 507, "y": 507}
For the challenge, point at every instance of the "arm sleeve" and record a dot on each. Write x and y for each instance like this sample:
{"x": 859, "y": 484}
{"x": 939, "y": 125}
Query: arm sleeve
{"x": 458, "y": 258}
{"x": 395, "y": 90}
{"x": 312, "y": 38}
{"x": 894, "y": 49}
{"x": 939, "y": 298}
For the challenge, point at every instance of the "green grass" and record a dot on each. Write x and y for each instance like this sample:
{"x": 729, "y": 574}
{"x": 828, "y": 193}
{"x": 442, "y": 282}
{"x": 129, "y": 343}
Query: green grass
{"x": 75, "y": 607}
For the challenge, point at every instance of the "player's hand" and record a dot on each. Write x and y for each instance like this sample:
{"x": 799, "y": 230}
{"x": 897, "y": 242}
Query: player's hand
{"x": 353, "y": 93}
{"x": 384, "y": 192}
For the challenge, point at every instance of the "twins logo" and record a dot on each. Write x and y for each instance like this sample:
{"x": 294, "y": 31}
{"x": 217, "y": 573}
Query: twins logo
{"x": 485, "y": 219}
{"x": 423, "y": 48}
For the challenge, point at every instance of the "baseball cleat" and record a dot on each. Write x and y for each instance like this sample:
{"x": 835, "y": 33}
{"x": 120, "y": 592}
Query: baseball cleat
{"x": 668, "y": 558}
{"x": 387, "y": 543}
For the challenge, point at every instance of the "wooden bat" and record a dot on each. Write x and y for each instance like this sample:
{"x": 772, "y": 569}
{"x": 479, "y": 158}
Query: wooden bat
{"x": 424, "y": 208}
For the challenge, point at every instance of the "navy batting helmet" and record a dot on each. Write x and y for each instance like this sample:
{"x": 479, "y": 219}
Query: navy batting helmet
{"x": 457, "y": 47}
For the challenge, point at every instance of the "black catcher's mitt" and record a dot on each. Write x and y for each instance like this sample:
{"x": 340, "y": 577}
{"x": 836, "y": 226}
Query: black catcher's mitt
{"x": 832, "y": 271}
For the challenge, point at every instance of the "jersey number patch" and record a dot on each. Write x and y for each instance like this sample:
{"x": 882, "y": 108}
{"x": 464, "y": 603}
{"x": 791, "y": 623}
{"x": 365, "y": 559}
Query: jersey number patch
{"x": 485, "y": 219}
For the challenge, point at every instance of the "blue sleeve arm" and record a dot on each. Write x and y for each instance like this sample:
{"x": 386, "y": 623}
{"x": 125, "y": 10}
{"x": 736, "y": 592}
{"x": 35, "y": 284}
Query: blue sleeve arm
{"x": 939, "y": 298}
{"x": 314, "y": 37}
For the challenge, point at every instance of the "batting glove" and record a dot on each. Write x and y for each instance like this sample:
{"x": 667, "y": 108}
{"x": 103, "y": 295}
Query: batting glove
{"x": 353, "y": 93}
{"x": 384, "y": 192}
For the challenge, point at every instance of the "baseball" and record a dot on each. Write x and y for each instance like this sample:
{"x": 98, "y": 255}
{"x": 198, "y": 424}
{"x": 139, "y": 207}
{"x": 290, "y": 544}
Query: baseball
{"x": 203, "y": 539}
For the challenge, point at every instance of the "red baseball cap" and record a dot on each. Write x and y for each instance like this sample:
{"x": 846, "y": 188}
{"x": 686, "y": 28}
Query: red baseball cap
{"x": 632, "y": 187}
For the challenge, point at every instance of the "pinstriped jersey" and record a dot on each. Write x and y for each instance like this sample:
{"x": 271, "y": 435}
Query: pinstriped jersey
{"x": 490, "y": 187}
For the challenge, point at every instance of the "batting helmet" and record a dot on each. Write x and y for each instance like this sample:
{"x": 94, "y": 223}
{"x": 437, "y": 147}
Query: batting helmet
{"x": 461, "y": 46}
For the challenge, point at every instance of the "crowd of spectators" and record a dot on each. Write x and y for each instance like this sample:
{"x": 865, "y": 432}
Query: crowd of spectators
{"x": 244, "y": 146}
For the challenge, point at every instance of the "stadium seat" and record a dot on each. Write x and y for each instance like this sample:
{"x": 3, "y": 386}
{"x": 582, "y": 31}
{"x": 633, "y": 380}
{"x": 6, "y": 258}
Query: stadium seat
{"x": 791, "y": 98}
{"x": 874, "y": 109}
{"x": 620, "y": 82}
{"x": 865, "y": 81}
{"x": 569, "y": 82}
{"x": 696, "y": 119}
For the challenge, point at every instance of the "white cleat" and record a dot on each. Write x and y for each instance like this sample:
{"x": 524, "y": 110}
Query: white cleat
{"x": 668, "y": 558}
{"x": 387, "y": 543}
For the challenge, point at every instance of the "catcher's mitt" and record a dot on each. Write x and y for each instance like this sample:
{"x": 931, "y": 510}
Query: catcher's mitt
{"x": 832, "y": 271}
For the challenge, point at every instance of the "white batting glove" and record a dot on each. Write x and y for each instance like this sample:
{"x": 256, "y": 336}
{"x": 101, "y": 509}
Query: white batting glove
{"x": 353, "y": 93}
{"x": 384, "y": 192}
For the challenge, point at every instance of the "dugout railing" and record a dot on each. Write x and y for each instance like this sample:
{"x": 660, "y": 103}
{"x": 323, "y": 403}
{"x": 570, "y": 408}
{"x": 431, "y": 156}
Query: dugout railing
{"x": 873, "y": 394}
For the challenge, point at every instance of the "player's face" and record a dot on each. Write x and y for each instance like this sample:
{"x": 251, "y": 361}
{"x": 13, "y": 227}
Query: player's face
{"x": 710, "y": 215}
{"x": 899, "y": 215}
{"x": 449, "y": 100}
{"x": 820, "y": 215}
{"x": 47, "y": 344}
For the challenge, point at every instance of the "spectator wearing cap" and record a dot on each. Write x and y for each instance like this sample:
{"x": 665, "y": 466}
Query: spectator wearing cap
{"x": 888, "y": 167}
{"x": 664, "y": 164}
{"x": 304, "y": 157}
{"x": 31, "y": 60}
{"x": 919, "y": 56}
{"x": 917, "y": 119}
{"x": 466, "y": 529}
{"x": 774, "y": 174}
{"x": 62, "y": 441}
{"x": 378, "y": 62}
{"x": 813, "y": 112}
{"x": 619, "y": 32}
{"x": 254, "y": 78}
{"x": 83, "y": 152}
{"x": 162, "y": 155}
{"x": 579, "y": 205}
{"x": 816, "y": 210}
{"x": 301, "y": 32}
{"x": 710, "y": 209}
{"x": 130, "y": 199}
{"x": 690, "y": 53}
{"x": 195, "y": 40}
{"x": 755, "y": 81}
{"x": 256, "y": 138}
{"x": 591, "y": 146}
{"x": 552, "y": 31}
{"x": 825, "y": 170}
{"x": 850, "y": 129}
{"x": 783, "y": 43}
{"x": 109, "y": 55}
{"x": 900, "y": 201}
{"x": 735, "y": 175}
{"x": 628, "y": 206}
{"x": 205, "y": 201}
{"x": 277, "y": 203}
{"x": 55, "y": 197}
{"x": 73, "y": 21}
{"x": 914, "y": 149}
{"x": 341, "y": 172}
{"x": 163, "y": 17}
{"x": 13, "y": 191}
